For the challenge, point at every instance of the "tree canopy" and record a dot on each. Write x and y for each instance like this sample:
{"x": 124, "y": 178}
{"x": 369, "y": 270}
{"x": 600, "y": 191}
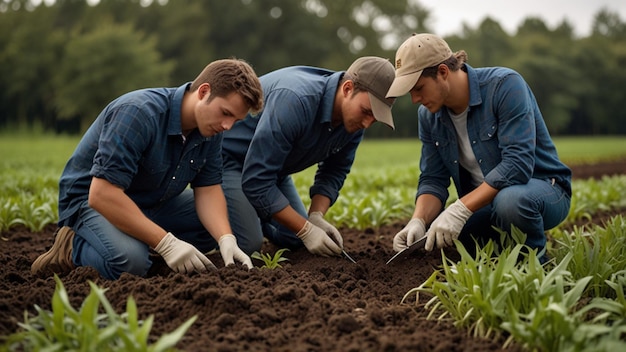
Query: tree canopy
{"x": 61, "y": 62}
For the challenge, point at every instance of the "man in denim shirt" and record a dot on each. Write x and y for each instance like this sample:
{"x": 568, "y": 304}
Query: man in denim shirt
{"x": 482, "y": 128}
{"x": 311, "y": 116}
{"x": 124, "y": 190}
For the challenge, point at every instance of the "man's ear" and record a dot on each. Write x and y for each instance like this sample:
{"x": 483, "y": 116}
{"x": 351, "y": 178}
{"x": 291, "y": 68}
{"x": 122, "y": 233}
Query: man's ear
{"x": 347, "y": 88}
{"x": 443, "y": 70}
{"x": 204, "y": 90}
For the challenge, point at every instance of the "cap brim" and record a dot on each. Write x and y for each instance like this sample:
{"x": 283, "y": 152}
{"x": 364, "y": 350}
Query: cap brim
{"x": 382, "y": 111}
{"x": 403, "y": 84}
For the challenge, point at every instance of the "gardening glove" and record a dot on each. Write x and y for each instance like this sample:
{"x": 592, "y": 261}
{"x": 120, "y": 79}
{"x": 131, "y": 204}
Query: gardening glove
{"x": 230, "y": 251}
{"x": 317, "y": 219}
{"x": 447, "y": 226}
{"x": 317, "y": 241}
{"x": 181, "y": 256}
{"x": 412, "y": 232}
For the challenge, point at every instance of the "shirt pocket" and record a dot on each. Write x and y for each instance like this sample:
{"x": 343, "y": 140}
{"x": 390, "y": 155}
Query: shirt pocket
{"x": 196, "y": 164}
{"x": 489, "y": 128}
{"x": 443, "y": 148}
{"x": 188, "y": 170}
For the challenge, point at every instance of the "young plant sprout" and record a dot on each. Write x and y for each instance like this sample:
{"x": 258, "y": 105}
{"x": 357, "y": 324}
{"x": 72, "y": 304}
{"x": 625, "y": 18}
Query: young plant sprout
{"x": 269, "y": 261}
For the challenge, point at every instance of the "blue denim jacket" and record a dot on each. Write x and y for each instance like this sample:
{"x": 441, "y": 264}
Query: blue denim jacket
{"x": 136, "y": 143}
{"x": 507, "y": 133}
{"x": 292, "y": 133}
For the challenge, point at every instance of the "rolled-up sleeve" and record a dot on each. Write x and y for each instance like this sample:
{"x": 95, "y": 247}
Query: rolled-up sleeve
{"x": 122, "y": 141}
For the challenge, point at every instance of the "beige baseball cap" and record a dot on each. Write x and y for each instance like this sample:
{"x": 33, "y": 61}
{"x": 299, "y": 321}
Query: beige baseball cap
{"x": 375, "y": 74}
{"x": 418, "y": 52}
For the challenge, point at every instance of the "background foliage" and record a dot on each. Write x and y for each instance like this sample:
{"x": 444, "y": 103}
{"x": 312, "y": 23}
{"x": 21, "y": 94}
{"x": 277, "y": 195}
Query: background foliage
{"x": 62, "y": 61}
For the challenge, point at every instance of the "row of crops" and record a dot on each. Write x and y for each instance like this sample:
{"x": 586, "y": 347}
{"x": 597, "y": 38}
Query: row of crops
{"x": 380, "y": 188}
{"x": 370, "y": 198}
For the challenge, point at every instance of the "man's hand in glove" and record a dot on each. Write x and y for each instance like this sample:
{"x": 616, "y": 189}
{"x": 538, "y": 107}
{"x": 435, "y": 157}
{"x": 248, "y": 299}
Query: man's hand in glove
{"x": 317, "y": 241}
{"x": 447, "y": 226}
{"x": 181, "y": 256}
{"x": 412, "y": 232}
{"x": 230, "y": 251}
{"x": 317, "y": 219}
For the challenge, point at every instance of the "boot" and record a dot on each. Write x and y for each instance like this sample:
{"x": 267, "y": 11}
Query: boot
{"x": 58, "y": 259}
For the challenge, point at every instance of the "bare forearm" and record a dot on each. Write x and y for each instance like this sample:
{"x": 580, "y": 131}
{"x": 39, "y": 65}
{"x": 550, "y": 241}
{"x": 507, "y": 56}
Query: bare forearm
{"x": 479, "y": 197}
{"x": 290, "y": 218}
{"x": 212, "y": 211}
{"x": 123, "y": 213}
{"x": 319, "y": 203}
{"x": 427, "y": 207}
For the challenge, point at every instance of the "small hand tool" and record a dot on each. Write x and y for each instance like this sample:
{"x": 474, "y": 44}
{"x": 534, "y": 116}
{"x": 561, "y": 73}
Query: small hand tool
{"x": 405, "y": 253}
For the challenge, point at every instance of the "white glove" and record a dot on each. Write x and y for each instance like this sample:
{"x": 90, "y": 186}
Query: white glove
{"x": 412, "y": 232}
{"x": 230, "y": 251}
{"x": 447, "y": 226}
{"x": 317, "y": 219}
{"x": 317, "y": 241}
{"x": 182, "y": 257}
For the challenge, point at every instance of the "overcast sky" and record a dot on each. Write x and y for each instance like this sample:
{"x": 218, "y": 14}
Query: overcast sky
{"x": 448, "y": 16}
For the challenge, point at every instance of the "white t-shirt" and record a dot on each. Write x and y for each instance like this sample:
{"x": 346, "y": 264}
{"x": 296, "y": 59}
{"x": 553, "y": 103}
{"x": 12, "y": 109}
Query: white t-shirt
{"x": 467, "y": 159}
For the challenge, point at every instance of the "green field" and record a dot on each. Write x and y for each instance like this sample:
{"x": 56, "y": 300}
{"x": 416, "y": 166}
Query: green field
{"x": 377, "y": 153}
{"x": 385, "y": 154}
{"x": 48, "y": 154}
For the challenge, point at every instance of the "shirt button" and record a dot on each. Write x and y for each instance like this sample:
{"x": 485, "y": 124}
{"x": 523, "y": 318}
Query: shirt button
{"x": 473, "y": 142}
{"x": 191, "y": 161}
{"x": 173, "y": 177}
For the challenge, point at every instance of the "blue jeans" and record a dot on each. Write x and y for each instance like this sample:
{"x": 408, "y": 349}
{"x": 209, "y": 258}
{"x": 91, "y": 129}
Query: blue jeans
{"x": 101, "y": 245}
{"x": 247, "y": 226}
{"x": 533, "y": 208}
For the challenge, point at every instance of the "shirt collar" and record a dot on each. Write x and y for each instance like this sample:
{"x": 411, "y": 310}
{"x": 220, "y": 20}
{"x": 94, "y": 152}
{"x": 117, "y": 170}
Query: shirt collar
{"x": 325, "y": 112}
{"x": 174, "y": 125}
{"x": 474, "y": 86}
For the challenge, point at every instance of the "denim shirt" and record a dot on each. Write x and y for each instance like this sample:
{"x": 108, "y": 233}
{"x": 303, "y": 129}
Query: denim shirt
{"x": 506, "y": 131}
{"x": 292, "y": 133}
{"x": 136, "y": 143}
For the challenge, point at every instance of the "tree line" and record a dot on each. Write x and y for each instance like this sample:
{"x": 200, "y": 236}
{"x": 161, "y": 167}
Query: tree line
{"x": 61, "y": 62}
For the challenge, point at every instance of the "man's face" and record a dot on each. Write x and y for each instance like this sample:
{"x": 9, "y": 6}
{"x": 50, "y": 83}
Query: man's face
{"x": 357, "y": 112}
{"x": 220, "y": 113}
{"x": 430, "y": 92}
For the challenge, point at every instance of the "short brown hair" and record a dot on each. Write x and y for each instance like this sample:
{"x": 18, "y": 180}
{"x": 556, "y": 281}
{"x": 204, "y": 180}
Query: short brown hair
{"x": 232, "y": 75}
{"x": 357, "y": 86}
{"x": 454, "y": 63}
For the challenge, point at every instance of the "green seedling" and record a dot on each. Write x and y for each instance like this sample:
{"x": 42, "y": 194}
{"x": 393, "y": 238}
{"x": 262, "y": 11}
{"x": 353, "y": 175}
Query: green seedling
{"x": 67, "y": 329}
{"x": 269, "y": 261}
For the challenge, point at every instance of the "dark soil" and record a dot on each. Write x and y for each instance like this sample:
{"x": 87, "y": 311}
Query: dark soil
{"x": 310, "y": 304}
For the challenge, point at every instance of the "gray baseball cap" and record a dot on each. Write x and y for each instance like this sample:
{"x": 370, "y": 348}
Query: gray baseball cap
{"x": 375, "y": 74}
